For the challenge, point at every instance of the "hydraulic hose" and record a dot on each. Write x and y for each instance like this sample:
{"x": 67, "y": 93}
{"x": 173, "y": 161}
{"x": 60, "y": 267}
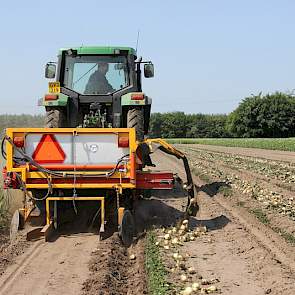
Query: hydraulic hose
{"x": 40, "y": 168}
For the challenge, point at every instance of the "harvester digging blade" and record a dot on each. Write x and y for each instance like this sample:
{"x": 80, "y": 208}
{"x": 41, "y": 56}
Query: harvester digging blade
{"x": 47, "y": 232}
{"x": 14, "y": 225}
{"x": 127, "y": 229}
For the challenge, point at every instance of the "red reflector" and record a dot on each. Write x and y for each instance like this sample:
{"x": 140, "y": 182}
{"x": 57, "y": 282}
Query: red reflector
{"x": 19, "y": 141}
{"x": 137, "y": 96}
{"x": 51, "y": 97}
{"x": 123, "y": 141}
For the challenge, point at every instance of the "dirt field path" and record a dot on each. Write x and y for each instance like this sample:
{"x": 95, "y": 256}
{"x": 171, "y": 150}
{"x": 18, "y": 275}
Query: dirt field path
{"x": 59, "y": 267}
{"x": 250, "y": 152}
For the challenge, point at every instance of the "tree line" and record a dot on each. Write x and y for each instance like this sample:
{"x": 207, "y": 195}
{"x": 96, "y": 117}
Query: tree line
{"x": 20, "y": 121}
{"x": 271, "y": 115}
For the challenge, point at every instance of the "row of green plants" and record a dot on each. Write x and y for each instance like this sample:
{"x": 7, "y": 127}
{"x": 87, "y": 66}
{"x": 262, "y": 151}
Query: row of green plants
{"x": 3, "y": 210}
{"x": 156, "y": 272}
{"x": 259, "y": 116}
{"x": 282, "y": 144}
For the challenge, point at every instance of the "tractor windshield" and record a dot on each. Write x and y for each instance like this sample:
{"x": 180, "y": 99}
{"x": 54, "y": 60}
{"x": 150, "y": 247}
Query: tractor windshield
{"x": 88, "y": 74}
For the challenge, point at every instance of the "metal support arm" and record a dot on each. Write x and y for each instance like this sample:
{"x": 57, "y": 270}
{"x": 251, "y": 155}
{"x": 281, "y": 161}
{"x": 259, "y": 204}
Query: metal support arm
{"x": 167, "y": 148}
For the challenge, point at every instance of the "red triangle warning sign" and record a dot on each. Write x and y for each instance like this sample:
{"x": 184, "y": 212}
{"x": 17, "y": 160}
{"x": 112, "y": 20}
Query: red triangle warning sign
{"x": 48, "y": 150}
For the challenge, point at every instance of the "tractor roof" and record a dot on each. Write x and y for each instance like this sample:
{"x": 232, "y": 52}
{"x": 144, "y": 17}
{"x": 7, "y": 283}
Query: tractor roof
{"x": 99, "y": 49}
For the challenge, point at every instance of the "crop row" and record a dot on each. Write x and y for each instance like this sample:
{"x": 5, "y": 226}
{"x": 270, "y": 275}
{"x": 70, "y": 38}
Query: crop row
{"x": 282, "y": 144}
{"x": 270, "y": 199}
{"x": 3, "y": 209}
{"x": 281, "y": 171}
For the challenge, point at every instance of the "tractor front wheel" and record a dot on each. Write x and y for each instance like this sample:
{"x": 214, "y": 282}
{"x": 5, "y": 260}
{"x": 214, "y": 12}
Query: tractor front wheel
{"x": 55, "y": 118}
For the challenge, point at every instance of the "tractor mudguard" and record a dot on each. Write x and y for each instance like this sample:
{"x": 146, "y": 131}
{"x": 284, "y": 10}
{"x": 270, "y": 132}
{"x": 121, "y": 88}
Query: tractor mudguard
{"x": 61, "y": 101}
{"x": 127, "y": 100}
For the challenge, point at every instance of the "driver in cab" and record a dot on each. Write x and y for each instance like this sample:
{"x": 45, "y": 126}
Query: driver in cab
{"x": 98, "y": 83}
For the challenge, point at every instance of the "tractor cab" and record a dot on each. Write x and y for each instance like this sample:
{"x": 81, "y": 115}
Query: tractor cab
{"x": 98, "y": 87}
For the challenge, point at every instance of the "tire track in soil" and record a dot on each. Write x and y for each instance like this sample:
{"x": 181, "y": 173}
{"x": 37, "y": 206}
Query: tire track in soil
{"x": 243, "y": 254}
{"x": 77, "y": 264}
{"x": 54, "y": 268}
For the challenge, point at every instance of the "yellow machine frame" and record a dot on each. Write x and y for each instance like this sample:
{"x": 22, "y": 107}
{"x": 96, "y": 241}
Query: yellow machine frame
{"x": 26, "y": 173}
{"x": 114, "y": 181}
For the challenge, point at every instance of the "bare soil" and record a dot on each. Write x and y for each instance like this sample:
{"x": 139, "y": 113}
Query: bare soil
{"x": 241, "y": 254}
{"x": 50, "y": 268}
{"x": 9, "y": 251}
{"x": 265, "y": 188}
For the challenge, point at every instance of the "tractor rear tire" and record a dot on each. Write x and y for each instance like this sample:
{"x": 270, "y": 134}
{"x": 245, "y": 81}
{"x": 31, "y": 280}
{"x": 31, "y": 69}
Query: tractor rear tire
{"x": 135, "y": 119}
{"x": 55, "y": 118}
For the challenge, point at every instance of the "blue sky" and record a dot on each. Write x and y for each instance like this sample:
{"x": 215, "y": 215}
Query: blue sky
{"x": 208, "y": 54}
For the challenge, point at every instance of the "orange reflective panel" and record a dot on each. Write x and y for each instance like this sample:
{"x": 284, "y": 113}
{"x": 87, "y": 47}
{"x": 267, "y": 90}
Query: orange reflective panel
{"x": 49, "y": 150}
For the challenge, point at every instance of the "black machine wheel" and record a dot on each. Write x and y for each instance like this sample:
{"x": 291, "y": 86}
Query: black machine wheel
{"x": 126, "y": 228}
{"x": 135, "y": 119}
{"x": 55, "y": 118}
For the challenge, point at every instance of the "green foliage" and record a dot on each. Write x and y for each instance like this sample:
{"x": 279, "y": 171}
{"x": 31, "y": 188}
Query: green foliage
{"x": 168, "y": 124}
{"x": 282, "y": 144}
{"x": 156, "y": 271}
{"x": 260, "y": 215}
{"x": 226, "y": 191}
{"x": 272, "y": 115}
{"x": 3, "y": 210}
{"x": 179, "y": 124}
{"x": 287, "y": 236}
{"x": 14, "y": 121}
{"x": 21, "y": 121}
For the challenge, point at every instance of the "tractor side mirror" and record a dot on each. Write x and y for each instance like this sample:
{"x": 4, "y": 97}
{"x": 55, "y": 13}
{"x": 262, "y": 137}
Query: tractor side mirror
{"x": 149, "y": 70}
{"x": 50, "y": 70}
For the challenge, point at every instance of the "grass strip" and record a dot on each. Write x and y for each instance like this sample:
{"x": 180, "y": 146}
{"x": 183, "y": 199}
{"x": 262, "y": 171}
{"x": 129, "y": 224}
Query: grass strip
{"x": 156, "y": 272}
{"x": 264, "y": 219}
{"x": 241, "y": 203}
{"x": 260, "y": 215}
{"x": 3, "y": 210}
{"x": 287, "y": 236}
{"x": 226, "y": 191}
{"x": 282, "y": 144}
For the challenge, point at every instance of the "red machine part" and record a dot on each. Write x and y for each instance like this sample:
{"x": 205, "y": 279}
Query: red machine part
{"x": 19, "y": 141}
{"x": 154, "y": 180}
{"x": 9, "y": 179}
{"x": 144, "y": 180}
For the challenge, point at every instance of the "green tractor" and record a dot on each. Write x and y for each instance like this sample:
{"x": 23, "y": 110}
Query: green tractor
{"x": 98, "y": 87}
